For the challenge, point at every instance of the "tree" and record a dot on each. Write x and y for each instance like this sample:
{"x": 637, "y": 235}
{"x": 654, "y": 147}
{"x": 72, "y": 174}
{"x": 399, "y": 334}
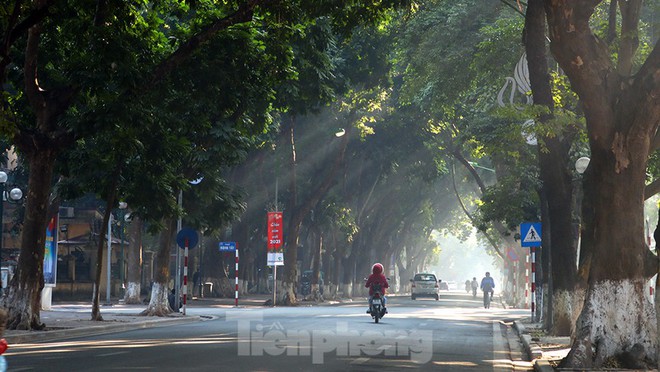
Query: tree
{"x": 557, "y": 184}
{"x": 621, "y": 102}
{"x": 59, "y": 94}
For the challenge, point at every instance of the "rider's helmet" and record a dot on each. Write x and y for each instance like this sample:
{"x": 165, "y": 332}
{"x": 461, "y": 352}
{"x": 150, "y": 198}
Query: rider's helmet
{"x": 377, "y": 268}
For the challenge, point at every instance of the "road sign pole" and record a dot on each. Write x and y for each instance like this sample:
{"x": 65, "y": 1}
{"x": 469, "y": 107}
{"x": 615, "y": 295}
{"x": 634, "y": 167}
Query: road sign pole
{"x": 186, "y": 238}
{"x": 185, "y": 276}
{"x": 533, "y": 300}
{"x": 274, "y": 284}
{"x": 236, "y": 269}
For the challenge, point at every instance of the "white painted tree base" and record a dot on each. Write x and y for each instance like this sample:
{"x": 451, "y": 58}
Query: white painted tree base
{"x": 617, "y": 322}
{"x": 132, "y": 295}
{"x": 158, "y": 305}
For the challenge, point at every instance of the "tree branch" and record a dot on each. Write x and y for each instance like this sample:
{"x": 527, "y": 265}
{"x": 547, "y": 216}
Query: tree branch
{"x": 651, "y": 189}
{"x": 101, "y": 12}
{"x": 242, "y": 15}
{"x": 34, "y": 17}
{"x": 629, "y": 42}
{"x": 611, "y": 22}
{"x": 492, "y": 241}
{"x": 32, "y": 90}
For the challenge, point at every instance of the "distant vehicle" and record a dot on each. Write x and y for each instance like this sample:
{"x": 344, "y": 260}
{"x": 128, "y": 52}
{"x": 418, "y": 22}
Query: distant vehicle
{"x": 425, "y": 285}
{"x": 444, "y": 286}
{"x": 451, "y": 285}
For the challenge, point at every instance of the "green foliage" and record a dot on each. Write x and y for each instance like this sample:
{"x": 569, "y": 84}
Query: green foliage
{"x": 513, "y": 199}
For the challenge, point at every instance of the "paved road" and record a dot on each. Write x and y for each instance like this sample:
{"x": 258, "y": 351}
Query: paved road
{"x": 455, "y": 333}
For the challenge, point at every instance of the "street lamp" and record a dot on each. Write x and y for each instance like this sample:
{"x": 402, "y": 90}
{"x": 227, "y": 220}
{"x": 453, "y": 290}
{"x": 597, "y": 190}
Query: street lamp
{"x": 581, "y": 164}
{"x": 475, "y": 165}
{"x": 12, "y": 196}
{"x": 108, "y": 284}
{"x": 122, "y": 222}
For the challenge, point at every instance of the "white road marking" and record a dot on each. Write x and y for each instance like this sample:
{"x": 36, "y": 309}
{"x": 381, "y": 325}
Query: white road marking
{"x": 360, "y": 361}
{"x": 112, "y": 354}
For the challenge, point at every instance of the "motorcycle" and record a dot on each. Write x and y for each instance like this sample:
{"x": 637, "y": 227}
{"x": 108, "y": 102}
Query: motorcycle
{"x": 376, "y": 308}
{"x": 171, "y": 297}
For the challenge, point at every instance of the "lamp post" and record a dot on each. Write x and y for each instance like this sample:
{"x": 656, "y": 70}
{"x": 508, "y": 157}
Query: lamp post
{"x": 122, "y": 222}
{"x": 12, "y": 196}
{"x": 108, "y": 284}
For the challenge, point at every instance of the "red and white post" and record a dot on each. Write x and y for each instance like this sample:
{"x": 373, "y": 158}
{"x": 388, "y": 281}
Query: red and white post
{"x": 533, "y": 284}
{"x": 185, "y": 276}
{"x": 527, "y": 269}
{"x": 236, "y": 269}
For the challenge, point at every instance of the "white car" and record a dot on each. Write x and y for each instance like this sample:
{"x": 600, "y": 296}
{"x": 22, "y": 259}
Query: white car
{"x": 424, "y": 285}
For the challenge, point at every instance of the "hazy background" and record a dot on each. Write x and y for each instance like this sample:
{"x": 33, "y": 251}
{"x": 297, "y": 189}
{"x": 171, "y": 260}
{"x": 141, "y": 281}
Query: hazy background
{"x": 459, "y": 261}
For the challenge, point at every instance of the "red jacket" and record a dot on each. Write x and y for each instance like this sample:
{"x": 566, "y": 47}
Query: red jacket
{"x": 377, "y": 277}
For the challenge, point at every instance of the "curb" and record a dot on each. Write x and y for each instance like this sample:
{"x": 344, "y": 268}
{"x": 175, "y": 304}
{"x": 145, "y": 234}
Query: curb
{"x": 60, "y": 334}
{"x": 533, "y": 350}
{"x": 543, "y": 366}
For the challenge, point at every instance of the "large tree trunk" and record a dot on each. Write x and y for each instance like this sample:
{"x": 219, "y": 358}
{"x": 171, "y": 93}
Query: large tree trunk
{"x": 555, "y": 171}
{"x": 106, "y": 232}
{"x": 134, "y": 272}
{"x": 316, "y": 268}
{"x": 158, "y": 305}
{"x": 23, "y": 300}
{"x": 617, "y": 320}
{"x": 40, "y": 145}
{"x": 622, "y": 111}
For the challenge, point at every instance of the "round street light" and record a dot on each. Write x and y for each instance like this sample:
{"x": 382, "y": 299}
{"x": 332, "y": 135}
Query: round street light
{"x": 581, "y": 164}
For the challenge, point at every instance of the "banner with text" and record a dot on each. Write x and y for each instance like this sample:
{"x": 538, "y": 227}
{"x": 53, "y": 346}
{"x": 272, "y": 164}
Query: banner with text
{"x": 274, "y": 230}
{"x": 275, "y": 236}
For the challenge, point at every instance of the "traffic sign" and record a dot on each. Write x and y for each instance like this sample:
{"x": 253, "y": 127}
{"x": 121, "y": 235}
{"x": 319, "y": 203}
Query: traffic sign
{"x": 227, "y": 246}
{"x": 187, "y": 234}
{"x": 530, "y": 234}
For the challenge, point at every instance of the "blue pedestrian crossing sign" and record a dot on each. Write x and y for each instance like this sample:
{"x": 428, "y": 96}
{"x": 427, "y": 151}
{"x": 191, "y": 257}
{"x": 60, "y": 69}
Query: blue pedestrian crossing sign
{"x": 530, "y": 234}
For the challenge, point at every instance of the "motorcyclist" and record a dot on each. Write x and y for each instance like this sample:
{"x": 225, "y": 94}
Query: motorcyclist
{"x": 377, "y": 277}
{"x": 475, "y": 285}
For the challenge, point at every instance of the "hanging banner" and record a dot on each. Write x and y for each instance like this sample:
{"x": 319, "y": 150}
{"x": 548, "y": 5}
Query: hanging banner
{"x": 275, "y": 256}
{"x": 50, "y": 253}
{"x": 274, "y": 230}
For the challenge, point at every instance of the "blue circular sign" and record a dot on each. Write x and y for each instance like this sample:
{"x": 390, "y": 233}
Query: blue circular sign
{"x": 187, "y": 234}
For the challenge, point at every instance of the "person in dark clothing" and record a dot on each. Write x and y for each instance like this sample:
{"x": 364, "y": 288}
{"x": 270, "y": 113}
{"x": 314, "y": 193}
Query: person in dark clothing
{"x": 488, "y": 286}
{"x": 197, "y": 287}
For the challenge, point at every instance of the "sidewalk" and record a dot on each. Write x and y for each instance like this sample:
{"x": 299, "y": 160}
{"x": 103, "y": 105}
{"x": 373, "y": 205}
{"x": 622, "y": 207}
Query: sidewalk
{"x": 544, "y": 351}
{"x": 73, "y": 319}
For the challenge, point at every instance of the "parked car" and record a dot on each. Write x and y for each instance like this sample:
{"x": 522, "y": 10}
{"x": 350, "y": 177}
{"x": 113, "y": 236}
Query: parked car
{"x": 425, "y": 285}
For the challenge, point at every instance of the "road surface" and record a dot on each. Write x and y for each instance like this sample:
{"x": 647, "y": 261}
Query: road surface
{"x": 453, "y": 334}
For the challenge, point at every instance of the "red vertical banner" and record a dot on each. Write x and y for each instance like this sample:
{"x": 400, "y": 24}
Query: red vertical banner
{"x": 274, "y": 230}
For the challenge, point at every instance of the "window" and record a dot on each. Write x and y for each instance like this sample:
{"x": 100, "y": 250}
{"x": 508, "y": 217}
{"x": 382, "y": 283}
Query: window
{"x": 425, "y": 278}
